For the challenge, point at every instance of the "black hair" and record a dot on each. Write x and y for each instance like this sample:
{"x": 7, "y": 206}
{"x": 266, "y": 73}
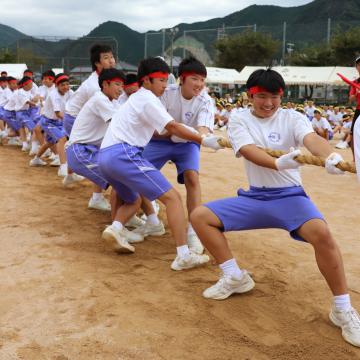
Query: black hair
{"x": 3, "y": 73}
{"x": 48, "y": 73}
{"x": 191, "y": 64}
{"x": 3, "y": 78}
{"x": 28, "y": 71}
{"x": 268, "y": 79}
{"x": 109, "y": 74}
{"x": 130, "y": 78}
{"x": 151, "y": 65}
{"x": 95, "y": 52}
{"x": 10, "y": 78}
{"x": 317, "y": 112}
{"x": 24, "y": 79}
{"x": 357, "y": 60}
{"x": 62, "y": 80}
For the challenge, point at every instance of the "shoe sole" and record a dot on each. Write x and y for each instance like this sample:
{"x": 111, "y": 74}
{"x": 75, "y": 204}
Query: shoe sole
{"x": 95, "y": 208}
{"x": 243, "y": 290}
{"x": 121, "y": 248}
{"x": 157, "y": 233}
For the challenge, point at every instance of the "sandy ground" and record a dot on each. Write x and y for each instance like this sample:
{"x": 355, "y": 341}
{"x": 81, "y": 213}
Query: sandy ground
{"x": 64, "y": 295}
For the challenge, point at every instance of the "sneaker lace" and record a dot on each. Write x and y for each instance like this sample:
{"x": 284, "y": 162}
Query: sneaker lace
{"x": 354, "y": 318}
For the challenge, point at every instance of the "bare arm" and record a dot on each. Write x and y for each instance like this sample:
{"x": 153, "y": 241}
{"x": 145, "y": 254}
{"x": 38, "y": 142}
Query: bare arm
{"x": 203, "y": 130}
{"x": 59, "y": 115}
{"x": 177, "y": 129}
{"x": 317, "y": 145}
{"x": 258, "y": 156}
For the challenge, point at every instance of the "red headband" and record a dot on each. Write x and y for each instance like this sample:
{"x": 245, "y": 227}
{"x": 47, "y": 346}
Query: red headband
{"x": 129, "y": 85}
{"x": 13, "y": 80}
{"x": 190, "y": 73}
{"x": 257, "y": 89}
{"x": 62, "y": 77}
{"x": 26, "y": 82}
{"x": 156, "y": 75}
{"x": 116, "y": 80}
{"x": 49, "y": 77}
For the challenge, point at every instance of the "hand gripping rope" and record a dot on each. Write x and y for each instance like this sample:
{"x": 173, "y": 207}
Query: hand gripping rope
{"x": 302, "y": 159}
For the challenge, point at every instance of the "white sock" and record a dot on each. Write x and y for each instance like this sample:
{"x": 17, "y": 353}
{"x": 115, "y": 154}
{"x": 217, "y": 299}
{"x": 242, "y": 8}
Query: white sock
{"x": 190, "y": 230}
{"x": 153, "y": 219}
{"x": 231, "y": 268}
{"x": 97, "y": 196}
{"x": 24, "y": 143}
{"x": 342, "y": 302}
{"x": 182, "y": 250}
{"x": 117, "y": 225}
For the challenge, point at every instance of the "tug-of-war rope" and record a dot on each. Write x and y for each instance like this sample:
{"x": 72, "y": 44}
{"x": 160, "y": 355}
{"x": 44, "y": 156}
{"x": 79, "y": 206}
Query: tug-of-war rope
{"x": 302, "y": 159}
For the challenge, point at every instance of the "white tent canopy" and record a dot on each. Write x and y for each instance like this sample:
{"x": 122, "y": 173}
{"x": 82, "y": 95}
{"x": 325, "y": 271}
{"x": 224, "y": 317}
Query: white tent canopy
{"x": 305, "y": 75}
{"x": 15, "y": 70}
{"x": 217, "y": 75}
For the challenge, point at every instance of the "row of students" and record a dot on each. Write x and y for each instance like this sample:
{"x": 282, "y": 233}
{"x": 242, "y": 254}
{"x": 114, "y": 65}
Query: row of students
{"x": 275, "y": 198}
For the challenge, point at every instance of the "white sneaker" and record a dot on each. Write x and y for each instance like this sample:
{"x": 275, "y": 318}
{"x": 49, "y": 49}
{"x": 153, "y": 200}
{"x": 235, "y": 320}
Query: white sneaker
{"x": 228, "y": 285}
{"x": 131, "y": 236}
{"x": 49, "y": 154}
{"x": 150, "y": 229}
{"x": 25, "y": 147}
{"x": 14, "y": 141}
{"x": 117, "y": 240}
{"x": 37, "y": 162}
{"x": 349, "y": 322}
{"x": 101, "y": 204}
{"x": 189, "y": 261}
{"x": 71, "y": 179}
{"x": 63, "y": 170}
{"x": 135, "y": 222}
{"x": 56, "y": 161}
{"x": 195, "y": 244}
{"x": 342, "y": 145}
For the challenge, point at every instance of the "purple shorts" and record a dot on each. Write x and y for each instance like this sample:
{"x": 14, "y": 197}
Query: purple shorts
{"x": 53, "y": 129}
{"x": 2, "y": 113}
{"x": 263, "y": 208}
{"x": 10, "y": 119}
{"x": 186, "y": 156}
{"x": 83, "y": 160}
{"x": 130, "y": 174}
{"x": 68, "y": 123}
{"x": 25, "y": 119}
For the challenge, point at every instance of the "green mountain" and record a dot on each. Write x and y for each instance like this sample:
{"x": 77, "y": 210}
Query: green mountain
{"x": 306, "y": 24}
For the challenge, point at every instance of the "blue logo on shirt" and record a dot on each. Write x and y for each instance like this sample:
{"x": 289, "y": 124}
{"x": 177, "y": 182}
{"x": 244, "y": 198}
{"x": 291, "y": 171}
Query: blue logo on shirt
{"x": 188, "y": 115}
{"x": 274, "y": 137}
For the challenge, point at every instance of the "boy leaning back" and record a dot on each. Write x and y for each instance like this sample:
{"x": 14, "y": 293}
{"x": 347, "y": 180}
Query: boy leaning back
{"x": 276, "y": 198}
{"x": 123, "y": 165}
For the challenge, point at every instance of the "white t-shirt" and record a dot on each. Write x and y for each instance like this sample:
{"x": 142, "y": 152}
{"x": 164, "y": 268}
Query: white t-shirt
{"x": 122, "y": 98}
{"x": 135, "y": 121}
{"x": 56, "y": 102}
{"x": 86, "y": 90}
{"x": 356, "y": 135}
{"x": 310, "y": 111}
{"x": 336, "y": 118}
{"x": 92, "y": 122}
{"x": 198, "y": 111}
{"x": 347, "y": 124}
{"x": 281, "y": 131}
{"x": 321, "y": 124}
{"x": 4, "y": 96}
{"x": 10, "y": 105}
{"x": 45, "y": 90}
{"x": 34, "y": 90}
{"x": 21, "y": 100}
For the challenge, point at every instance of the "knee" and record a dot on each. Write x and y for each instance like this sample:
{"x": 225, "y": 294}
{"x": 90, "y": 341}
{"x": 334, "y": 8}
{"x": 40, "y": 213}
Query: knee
{"x": 191, "y": 179}
{"x": 171, "y": 195}
{"x": 322, "y": 237}
{"x": 198, "y": 215}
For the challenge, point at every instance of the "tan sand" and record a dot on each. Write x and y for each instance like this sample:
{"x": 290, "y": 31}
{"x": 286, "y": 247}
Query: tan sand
{"x": 64, "y": 295}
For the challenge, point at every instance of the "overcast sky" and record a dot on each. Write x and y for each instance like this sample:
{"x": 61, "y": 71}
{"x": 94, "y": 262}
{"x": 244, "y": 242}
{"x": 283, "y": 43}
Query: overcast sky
{"x": 79, "y": 17}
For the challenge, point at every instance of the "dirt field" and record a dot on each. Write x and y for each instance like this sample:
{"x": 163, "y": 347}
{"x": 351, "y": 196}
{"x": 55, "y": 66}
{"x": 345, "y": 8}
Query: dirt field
{"x": 64, "y": 295}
